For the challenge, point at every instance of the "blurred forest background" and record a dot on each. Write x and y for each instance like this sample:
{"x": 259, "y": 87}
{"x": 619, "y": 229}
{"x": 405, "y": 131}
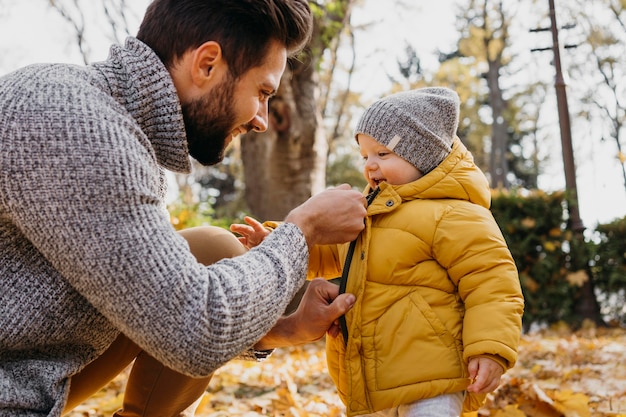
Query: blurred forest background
{"x": 498, "y": 55}
{"x": 543, "y": 90}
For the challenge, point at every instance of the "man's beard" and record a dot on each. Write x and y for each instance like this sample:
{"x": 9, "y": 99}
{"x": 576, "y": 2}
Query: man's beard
{"x": 209, "y": 121}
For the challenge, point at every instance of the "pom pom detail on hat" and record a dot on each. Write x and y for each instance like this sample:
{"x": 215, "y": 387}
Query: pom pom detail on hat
{"x": 418, "y": 125}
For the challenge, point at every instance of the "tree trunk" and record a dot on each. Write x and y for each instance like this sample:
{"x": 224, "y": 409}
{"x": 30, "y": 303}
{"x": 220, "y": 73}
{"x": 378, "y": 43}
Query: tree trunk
{"x": 496, "y": 33}
{"x": 286, "y": 165}
{"x": 499, "y": 133}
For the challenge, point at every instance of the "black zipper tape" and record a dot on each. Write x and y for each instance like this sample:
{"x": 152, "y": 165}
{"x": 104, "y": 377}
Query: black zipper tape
{"x": 346, "y": 269}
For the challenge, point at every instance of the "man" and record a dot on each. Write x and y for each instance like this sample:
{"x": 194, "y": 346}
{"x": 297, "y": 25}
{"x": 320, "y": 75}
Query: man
{"x": 92, "y": 274}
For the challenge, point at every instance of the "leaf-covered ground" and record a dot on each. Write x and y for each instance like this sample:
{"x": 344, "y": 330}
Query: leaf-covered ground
{"x": 559, "y": 373}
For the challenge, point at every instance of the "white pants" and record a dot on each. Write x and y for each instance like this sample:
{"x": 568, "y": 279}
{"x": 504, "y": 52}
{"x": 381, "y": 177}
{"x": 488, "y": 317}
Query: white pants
{"x": 447, "y": 405}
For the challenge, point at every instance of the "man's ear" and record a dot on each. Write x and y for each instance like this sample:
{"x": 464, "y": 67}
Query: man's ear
{"x": 206, "y": 62}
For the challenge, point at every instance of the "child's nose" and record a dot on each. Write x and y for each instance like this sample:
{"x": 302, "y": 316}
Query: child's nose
{"x": 370, "y": 164}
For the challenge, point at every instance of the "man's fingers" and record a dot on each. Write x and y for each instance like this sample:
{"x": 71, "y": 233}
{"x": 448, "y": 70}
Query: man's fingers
{"x": 343, "y": 303}
{"x": 339, "y": 303}
{"x": 332, "y": 216}
{"x": 327, "y": 290}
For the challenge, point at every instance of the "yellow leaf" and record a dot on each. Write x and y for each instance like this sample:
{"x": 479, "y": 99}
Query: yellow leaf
{"x": 114, "y": 404}
{"x": 285, "y": 400}
{"x": 572, "y": 404}
{"x": 577, "y": 278}
{"x": 205, "y": 403}
{"x": 554, "y": 232}
{"x": 538, "y": 403}
{"x": 510, "y": 410}
{"x": 530, "y": 284}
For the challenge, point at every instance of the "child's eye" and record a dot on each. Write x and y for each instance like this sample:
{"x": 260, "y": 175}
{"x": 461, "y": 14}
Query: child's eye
{"x": 383, "y": 153}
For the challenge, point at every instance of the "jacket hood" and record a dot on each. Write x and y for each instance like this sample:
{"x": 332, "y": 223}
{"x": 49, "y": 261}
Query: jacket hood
{"x": 457, "y": 177}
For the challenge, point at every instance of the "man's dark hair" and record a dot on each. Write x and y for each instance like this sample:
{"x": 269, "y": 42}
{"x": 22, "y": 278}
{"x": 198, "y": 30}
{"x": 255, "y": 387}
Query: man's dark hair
{"x": 243, "y": 28}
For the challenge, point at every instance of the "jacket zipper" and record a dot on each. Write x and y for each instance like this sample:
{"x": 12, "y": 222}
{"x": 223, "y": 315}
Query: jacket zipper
{"x": 346, "y": 269}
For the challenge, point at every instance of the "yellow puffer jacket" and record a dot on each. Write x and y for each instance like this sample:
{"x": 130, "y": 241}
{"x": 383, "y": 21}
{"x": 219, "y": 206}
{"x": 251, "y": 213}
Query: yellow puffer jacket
{"x": 435, "y": 285}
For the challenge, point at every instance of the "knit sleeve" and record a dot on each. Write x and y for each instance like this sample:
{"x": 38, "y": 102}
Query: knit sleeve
{"x": 85, "y": 193}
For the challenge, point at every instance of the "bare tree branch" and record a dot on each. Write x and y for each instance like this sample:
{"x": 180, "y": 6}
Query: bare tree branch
{"x": 75, "y": 11}
{"x": 116, "y": 16}
{"x": 78, "y": 23}
{"x": 346, "y": 92}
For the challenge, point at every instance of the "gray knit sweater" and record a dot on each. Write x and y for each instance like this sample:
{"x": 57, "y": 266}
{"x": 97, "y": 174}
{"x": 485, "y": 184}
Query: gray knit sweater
{"x": 86, "y": 250}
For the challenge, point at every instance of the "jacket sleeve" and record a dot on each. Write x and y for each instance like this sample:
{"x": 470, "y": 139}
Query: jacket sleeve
{"x": 470, "y": 245}
{"x": 325, "y": 262}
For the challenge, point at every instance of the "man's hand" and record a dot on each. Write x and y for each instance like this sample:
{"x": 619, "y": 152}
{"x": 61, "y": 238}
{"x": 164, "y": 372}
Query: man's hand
{"x": 317, "y": 314}
{"x": 485, "y": 374}
{"x": 335, "y": 215}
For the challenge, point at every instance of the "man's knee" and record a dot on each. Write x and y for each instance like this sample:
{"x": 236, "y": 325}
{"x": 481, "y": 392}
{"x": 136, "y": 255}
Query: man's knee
{"x": 209, "y": 244}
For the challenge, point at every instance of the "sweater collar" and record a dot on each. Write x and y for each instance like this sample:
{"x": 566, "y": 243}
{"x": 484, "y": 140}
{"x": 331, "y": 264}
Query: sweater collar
{"x": 140, "y": 82}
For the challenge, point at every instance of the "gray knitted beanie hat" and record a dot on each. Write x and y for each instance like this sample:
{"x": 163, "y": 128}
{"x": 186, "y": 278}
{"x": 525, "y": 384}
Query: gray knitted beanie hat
{"x": 418, "y": 125}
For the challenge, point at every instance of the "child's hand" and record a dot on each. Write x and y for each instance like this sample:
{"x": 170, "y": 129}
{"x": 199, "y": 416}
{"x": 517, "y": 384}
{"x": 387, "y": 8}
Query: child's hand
{"x": 252, "y": 233}
{"x": 485, "y": 374}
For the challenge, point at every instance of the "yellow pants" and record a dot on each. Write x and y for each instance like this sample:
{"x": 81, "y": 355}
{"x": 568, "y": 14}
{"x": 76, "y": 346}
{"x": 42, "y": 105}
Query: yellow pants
{"x": 152, "y": 389}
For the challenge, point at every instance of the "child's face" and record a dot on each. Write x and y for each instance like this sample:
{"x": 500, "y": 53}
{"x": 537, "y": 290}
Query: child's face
{"x": 382, "y": 164}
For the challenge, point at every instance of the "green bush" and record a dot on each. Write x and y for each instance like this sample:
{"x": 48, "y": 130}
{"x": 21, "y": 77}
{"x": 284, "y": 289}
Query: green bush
{"x": 609, "y": 268}
{"x": 609, "y": 261}
{"x": 533, "y": 225}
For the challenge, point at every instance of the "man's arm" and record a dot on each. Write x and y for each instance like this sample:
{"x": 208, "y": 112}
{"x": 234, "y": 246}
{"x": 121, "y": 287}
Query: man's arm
{"x": 316, "y": 315}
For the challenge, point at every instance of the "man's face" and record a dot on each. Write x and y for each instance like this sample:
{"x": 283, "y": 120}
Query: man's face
{"x": 209, "y": 121}
{"x": 232, "y": 107}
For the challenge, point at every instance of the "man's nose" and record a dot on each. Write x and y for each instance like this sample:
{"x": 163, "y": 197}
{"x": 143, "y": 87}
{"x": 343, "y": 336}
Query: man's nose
{"x": 260, "y": 120}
